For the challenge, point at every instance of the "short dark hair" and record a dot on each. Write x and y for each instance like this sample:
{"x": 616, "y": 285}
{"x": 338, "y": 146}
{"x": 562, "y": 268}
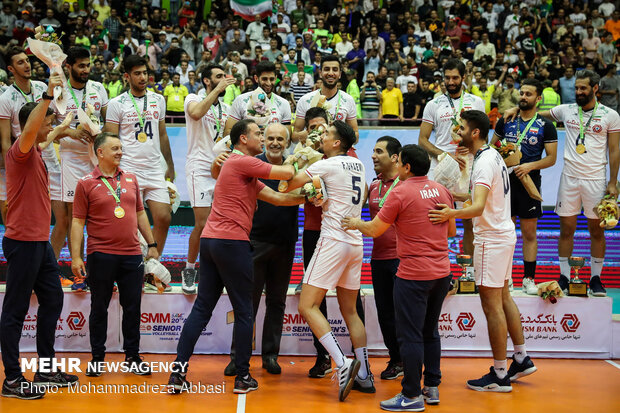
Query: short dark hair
{"x": 417, "y": 158}
{"x": 346, "y": 134}
{"x": 238, "y": 129}
{"x": 533, "y": 82}
{"x": 13, "y": 51}
{"x": 314, "y": 113}
{"x": 132, "y": 61}
{"x": 592, "y": 77}
{"x": 392, "y": 144}
{"x": 101, "y": 139}
{"x": 330, "y": 58}
{"x": 207, "y": 71}
{"x": 25, "y": 112}
{"x": 265, "y": 66}
{"x": 452, "y": 64}
{"x": 75, "y": 53}
{"x": 477, "y": 119}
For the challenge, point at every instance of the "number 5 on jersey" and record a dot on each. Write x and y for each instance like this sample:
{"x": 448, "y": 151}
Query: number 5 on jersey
{"x": 355, "y": 181}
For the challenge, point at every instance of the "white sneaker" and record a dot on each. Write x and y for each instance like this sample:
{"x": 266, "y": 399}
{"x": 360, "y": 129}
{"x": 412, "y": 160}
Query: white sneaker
{"x": 510, "y": 286}
{"x": 346, "y": 377}
{"x": 188, "y": 285}
{"x": 529, "y": 286}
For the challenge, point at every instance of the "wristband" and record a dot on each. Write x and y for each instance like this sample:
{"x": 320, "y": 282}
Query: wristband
{"x": 153, "y": 245}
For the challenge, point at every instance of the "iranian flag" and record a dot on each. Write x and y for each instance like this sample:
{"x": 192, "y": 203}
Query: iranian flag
{"x": 248, "y": 9}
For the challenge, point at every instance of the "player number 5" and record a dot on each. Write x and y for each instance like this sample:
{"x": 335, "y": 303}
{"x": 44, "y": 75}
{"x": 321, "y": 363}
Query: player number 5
{"x": 355, "y": 181}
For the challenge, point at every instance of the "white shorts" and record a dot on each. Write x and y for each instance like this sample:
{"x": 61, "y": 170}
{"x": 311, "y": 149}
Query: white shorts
{"x": 153, "y": 187}
{"x": 335, "y": 263}
{"x": 493, "y": 263}
{"x": 73, "y": 168}
{"x": 2, "y": 184}
{"x": 200, "y": 186}
{"x": 573, "y": 193}
{"x": 55, "y": 186}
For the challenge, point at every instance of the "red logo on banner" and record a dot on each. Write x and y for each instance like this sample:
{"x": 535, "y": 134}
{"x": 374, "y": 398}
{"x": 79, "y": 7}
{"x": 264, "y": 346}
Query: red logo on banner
{"x": 76, "y": 320}
{"x": 465, "y": 321}
{"x": 570, "y": 323}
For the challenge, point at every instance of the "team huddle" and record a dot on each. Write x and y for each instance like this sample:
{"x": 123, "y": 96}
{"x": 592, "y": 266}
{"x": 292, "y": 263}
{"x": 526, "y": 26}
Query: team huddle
{"x": 236, "y": 161}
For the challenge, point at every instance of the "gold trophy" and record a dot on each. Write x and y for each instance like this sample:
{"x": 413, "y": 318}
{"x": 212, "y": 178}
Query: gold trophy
{"x": 467, "y": 285}
{"x": 576, "y": 286}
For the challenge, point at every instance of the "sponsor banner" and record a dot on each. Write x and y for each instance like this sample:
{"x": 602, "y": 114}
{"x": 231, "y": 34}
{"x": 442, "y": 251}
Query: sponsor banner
{"x": 72, "y": 330}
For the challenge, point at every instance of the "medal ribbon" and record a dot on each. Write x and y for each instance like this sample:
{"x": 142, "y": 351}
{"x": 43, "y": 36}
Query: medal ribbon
{"x": 238, "y": 152}
{"x": 135, "y": 105}
{"x": 218, "y": 119}
{"x": 388, "y": 191}
{"x": 77, "y": 105}
{"x": 116, "y": 194}
{"x": 520, "y": 136}
{"x": 582, "y": 131}
{"x": 22, "y": 92}
{"x": 484, "y": 148}
{"x": 456, "y": 114}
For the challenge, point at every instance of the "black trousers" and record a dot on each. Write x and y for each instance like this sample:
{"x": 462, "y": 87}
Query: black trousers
{"x": 223, "y": 263}
{"x": 383, "y": 275}
{"x": 417, "y": 307}
{"x": 128, "y": 272}
{"x": 31, "y": 265}
{"x": 309, "y": 240}
{"x": 272, "y": 271}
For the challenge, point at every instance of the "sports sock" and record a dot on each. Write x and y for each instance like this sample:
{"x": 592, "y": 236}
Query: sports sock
{"x": 529, "y": 269}
{"x": 333, "y": 348}
{"x": 596, "y": 266}
{"x": 190, "y": 265}
{"x": 361, "y": 354}
{"x": 500, "y": 367}
{"x": 520, "y": 353}
{"x": 564, "y": 267}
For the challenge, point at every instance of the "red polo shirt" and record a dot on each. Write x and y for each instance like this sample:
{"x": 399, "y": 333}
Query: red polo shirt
{"x": 94, "y": 203}
{"x": 421, "y": 245}
{"x": 383, "y": 247}
{"x": 28, "y": 195}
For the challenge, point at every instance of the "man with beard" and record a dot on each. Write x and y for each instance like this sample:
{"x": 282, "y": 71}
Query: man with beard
{"x": 76, "y": 142}
{"x": 592, "y": 133}
{"x": 205, "y": 116}
{"x": 278, "y": 106}
{"x": 442, "y": 114}
{"x": 137, "y": 117}
{"x": 341, "y": 104}
{"x": 532, "y": 134}
{"x": 495, "y": 244}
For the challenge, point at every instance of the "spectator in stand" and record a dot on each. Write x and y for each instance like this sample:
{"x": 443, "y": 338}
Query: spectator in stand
{"x": 192, "y": 85}
{"x": 375, "y": 42}
{"x": 590, "y": 44}
{"x": 567, "y": 86}
{"x": 273, "y": 53}
{"x": 175, "y": 94}
{"x": 485, "y": 49}
{"x": 391, "y": 103}
{"x": 412, "y": 103}
{"x": 254, "y": 31}
{"x": 301, "y": 83}
{"x": 609, "y": 87}
{"x": 404, "y": 79}
{"x": 505, "y": 92}
{"x": 231, "y": 32}
{"x": 613, "y": 25}
{"x": 607, "y": 52}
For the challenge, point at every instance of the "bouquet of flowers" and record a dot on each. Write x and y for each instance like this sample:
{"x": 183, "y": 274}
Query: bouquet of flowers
{"x": 320, "y": 101}
{"x": 155, "y": 273}
{"x": 447, "y": 171}
{"x": 175, "y": 199}
{"x": 304, "y": 155}
{"x": 259, "y": 107}
{"x": 90, "y": 121}
{"x": 315, "y": 191}
{"x": 47, "y": 35}
{"x": 608, "y": 212}
{"x": 512, "y": 157}
{"x": 52, "y": 55}
{"x": 550, "y": 290}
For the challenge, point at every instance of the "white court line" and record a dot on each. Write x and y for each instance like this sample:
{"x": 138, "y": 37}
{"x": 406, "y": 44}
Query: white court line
{"x": 616, "y": 365}
{"x": 241, "y": 402}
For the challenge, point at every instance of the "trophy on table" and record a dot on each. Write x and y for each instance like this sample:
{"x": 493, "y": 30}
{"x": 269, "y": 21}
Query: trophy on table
{"x": 467, "y": 285}
{"x": 576, "y": 286}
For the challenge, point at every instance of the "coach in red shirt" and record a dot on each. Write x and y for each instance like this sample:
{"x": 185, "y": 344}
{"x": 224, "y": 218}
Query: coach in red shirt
{"x": 423, "y": 276}
{"x": 108, "y": 201}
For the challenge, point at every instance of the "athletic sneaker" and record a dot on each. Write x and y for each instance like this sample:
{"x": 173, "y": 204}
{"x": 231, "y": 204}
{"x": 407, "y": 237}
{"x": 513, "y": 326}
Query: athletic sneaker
{"x": 490, "y": 382}
{"x": 58, "y": 379}
{"x": 93, "y": 370}
{"x": 393, "y": 371}
{"x": 518, "y": 370}
{"x": 529, "y": 286}
{"x": 79, "y": 285}
{"x": 346, "y": 376}
{"x": 22, "y": 389}
{"x": 177, "y": 383}
{"x": 596, "y": 287}
{"x": 149, "y": 284}
{"x": 322, "y": 367}
{"x": 138, "y": 366}
{"x": 431, "y": 395}
{"x": 245, "y": 384}
{"x": 510, "y": 285}
{"x": 65, "y": 282}
{"x": 231, "y": 369}
{"x": 563, "y": 283}
{"x": 298, "y": 288}
{"x": 189, "y": 281}
{"x": 366, "y": 385}
{"x": 401, "y": 403}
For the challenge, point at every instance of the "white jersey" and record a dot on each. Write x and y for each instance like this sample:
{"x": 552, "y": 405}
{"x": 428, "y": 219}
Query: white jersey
{"x": 344, "y": 179}
{"x": 137, "y": 156}
{"x": 202, "y": 134}
{"x": 11, "y": 102}
{"x": 495, "y": 224}
{"x": 591, "y": 164}
{"x": 93, "y": 93}
{"x": 341, "y": 106}
{"x": 439, "y": 113}
{"x": 280, "y": 108}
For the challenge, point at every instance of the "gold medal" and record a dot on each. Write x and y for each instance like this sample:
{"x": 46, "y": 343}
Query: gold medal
{"x": 581, "y": 149}
{"x": 119, "y": 212}
{"x": 142, "y": 137}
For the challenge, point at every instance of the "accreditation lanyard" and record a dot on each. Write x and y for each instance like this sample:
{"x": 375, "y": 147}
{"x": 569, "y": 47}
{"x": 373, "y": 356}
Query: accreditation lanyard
{"x": 582, "y": 130}
{"x": 337, "y": 105}
{"x": 484, "y": 148}
{"x": 135, "y": 105}
{"x": 388, "y": 191}
{"x": 116, "y": 194}
{"x": 456, "y": 114}
{"x": 520, "y": 135}
{"x": 23, "y": 94}
{"x": 218, "y": 118}
{"x": 77, "y": 105}
{"x": 238, "y": 152}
